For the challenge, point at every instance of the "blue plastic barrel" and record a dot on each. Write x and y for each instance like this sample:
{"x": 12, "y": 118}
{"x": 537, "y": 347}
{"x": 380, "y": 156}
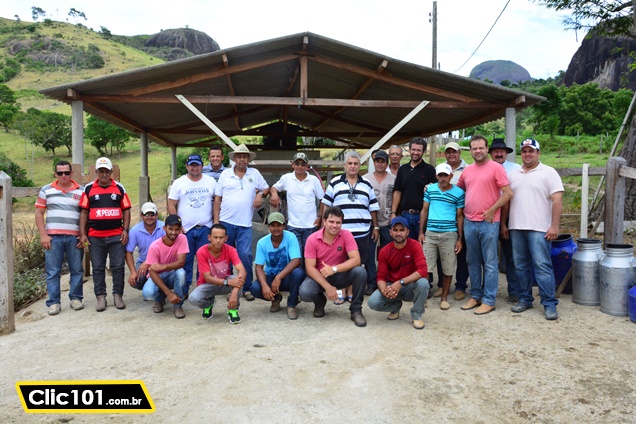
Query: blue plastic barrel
{"x": 563, "y": 248}
{"x": 631, "y": 294}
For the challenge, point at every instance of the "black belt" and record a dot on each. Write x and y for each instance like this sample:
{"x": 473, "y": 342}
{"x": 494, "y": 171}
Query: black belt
{"x": 411, "y": 211}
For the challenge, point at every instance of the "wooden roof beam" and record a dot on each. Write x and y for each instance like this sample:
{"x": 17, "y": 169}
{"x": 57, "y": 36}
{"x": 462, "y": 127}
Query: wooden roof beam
{"x": 231, "y": 88}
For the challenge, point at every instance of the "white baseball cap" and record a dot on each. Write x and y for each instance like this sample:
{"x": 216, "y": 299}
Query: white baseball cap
{"x": 148, "y": 207}
{"x": 104, "y": 163}
{"x": 443, "y": 168}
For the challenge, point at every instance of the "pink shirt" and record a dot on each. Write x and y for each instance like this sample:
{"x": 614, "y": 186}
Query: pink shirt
{"x": 482, "y": 184}
{"x": 159, "y": 253}
{"x": 332, "y": 254}
{"x": 217, "y": 267}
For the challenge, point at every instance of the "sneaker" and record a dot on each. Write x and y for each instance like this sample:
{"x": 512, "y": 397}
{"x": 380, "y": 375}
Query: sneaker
{"x": 248, "y": 296}
{"x": 233, "y": 316}
{"x": 77, "y": 304}
{"x": 521, "y": 307}
{"x": 54, "y": 309}
{"x": 101, "y": 303}
{"x": 292, "y": 313}
{"x": 438, "y": 293}
{"x": 358, "y": 319}
{"x": 276, "y": 303}
{"x": 551, "y": 313}
{"x": 395, "y": 314}
{"x": 207, "y": 312}
{"x": 418, "y": 324}
{"x": 178, "y": 312}
{"x": 157, "y": 308}
{"x": 119, "y": 301}
{"x": 459, "y": 295}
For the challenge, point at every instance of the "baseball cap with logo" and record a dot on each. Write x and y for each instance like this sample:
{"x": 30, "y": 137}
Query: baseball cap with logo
{"x": 452, "y": 145}
{"x": 276, "y": 217}
{"x": 443, "y": 168}
{"x": 530, "y": 142}
{"x": 172, "y": 220}
{"x": 148, "y": 207}
{"x": 103, "y": 163}
{"x": 300, "y": 156}
{"x": 194, "y": 159}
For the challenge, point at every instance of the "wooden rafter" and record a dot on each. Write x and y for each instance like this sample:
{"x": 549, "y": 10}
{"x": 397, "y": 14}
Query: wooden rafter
{"x": 228, "y": 78}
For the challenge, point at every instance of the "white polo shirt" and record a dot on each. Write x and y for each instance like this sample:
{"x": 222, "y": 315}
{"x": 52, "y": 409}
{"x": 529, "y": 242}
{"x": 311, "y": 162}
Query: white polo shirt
{"x": 238, "y": 195}
{"x": 301, "y": 199}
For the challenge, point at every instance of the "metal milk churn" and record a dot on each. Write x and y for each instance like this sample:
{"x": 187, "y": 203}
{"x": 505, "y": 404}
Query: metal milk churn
{"x": 586, "y": 272}
{"x": 617, "y": 276}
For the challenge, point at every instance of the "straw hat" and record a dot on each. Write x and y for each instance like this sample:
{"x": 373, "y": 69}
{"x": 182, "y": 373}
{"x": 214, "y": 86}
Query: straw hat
{"x": 242, "y": 148}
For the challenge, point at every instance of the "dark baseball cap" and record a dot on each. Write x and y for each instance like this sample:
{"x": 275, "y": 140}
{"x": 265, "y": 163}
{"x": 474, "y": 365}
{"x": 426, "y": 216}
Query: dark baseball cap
{"x": 172, "y": 220}
{"x": 381, "y": 154}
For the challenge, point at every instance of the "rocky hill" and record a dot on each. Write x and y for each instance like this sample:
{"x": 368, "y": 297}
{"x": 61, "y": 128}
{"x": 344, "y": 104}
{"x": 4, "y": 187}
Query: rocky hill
{"x": 500, "y": 70}
{"x": 604, "y": 60}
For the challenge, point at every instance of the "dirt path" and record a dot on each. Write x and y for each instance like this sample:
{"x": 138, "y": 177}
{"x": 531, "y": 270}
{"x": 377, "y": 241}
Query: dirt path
{"x": 498, "y": 368}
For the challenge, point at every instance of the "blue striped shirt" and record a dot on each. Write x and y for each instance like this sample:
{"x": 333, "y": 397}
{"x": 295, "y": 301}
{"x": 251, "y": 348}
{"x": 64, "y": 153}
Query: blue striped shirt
{"x": 442, "y": 210}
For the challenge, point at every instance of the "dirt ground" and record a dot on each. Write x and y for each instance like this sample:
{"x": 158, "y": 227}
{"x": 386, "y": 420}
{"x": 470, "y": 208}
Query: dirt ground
{"x": 497, "y": 368}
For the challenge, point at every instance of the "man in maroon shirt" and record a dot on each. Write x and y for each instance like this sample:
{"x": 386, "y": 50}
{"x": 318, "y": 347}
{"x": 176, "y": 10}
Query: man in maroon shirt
{"x": 401, "y": 271}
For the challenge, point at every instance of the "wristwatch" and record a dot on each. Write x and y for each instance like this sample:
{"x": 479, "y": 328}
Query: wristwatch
{"x": 334, "y": 269}
{"x": 225, "y": 282}
{"x": 402, "y": 282}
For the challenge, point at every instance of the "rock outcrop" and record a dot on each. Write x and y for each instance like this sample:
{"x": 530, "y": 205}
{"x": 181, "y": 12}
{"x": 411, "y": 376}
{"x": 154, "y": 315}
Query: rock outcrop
{"x": 500, "y": 70}
{"x": 182, "y": 42}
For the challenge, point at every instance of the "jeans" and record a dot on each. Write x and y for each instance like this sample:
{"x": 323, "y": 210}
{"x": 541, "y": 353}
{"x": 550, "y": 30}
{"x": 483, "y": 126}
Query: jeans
{"x": 414, "y": 224}
{"x": 532, "y": 251}
{"x": 302, "y": 234}
{"x": 514, "y": 288}
{"x": 385, "y": 237}
{"x": 416, "y": 292}
{"x": 61, "y": 244}
{"x": 147, "y": 287}
{"x": 102, "y": 247}
{"x": 371, "y": 264}
{"x": 481, "y": 239}
{"x": 290, "y": 284}
{"x": 203, "y": 295}
{"x": 174, "y": 280}
{"x": 241, "y": 239}
{"x": 363, "y": 247}
{"x": 310, "y": 291}
{"x": 197, "y": 237}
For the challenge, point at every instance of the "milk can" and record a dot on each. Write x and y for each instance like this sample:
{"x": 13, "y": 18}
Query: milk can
{"x": 585, "y": 272}
{"x": 617, "y": 276}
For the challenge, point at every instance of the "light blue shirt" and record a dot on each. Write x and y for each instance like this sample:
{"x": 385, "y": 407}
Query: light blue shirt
{"x": 275, "y": 260}
{"x": 140, "y": 238}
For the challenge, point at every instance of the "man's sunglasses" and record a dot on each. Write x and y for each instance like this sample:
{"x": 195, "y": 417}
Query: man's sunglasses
{"x": 150, "y": 214}
{"x": 60, "y": 173}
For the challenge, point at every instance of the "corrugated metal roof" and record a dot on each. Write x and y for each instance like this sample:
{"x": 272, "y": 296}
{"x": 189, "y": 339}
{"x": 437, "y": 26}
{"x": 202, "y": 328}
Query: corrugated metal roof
{"x": 245, "y": 87}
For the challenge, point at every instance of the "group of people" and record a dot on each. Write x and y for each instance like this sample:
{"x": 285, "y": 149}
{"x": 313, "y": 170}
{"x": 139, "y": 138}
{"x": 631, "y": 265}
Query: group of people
{"x": 379, "y": 234}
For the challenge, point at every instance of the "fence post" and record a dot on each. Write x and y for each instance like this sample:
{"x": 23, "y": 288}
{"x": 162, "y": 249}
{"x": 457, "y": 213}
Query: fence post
{"x": 614, "y": 201}
{"x": 7, "y": 319}
{"x": 585, "y": 187}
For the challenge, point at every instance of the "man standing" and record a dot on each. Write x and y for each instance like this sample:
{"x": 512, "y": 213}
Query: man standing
{"x": 441, "y": 226}
{"x": 59, "y": 235}
{"x": 487, "y": 190}
{"x": 240, "y": 190}
{"x": 215, "y": 168}
{"x": 395, "y": 156}
{"x": 499, "y": 153}
{"x": 355, "y": 197}
{"x": 166, "y": 257}
{"x": 411, "y": 179}
{"x": 215, "y": 261}
{"x": 302, "y": 191}
{"x": 141, "y": 237}
{"x": 332, "y": 261}
{"x": 104, "y": 225}
{"x": 278, "y": 266}
{"x": 382, "y": 183}
{"x": 401, "y": 276}
{"x": 191, "y": 198}
{"x": 535, "y": 212}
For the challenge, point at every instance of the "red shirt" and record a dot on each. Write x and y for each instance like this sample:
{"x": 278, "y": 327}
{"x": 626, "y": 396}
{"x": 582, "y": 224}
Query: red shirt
{"x": 217, "y": 267}
{"x": 106, "y": 206}
{"x": 395, "y": 264}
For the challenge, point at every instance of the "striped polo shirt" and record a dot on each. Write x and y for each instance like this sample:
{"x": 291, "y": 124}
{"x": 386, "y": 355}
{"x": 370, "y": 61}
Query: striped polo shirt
{"x": 442, "y": 210}
{"x": 357, "y": 212}
{"x": 62, "y": 208}
{"x": 105, "y": 207}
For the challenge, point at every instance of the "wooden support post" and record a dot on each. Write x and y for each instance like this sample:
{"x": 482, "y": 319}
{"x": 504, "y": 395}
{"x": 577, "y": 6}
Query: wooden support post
{"x": 585, "y": 187}
{"x": 144, "y": 190}
{"x": 614, "y": 201}
{"x": 7, "y": 319}
{"x": 77, "y": 132}
{"x": 511, "y": 131}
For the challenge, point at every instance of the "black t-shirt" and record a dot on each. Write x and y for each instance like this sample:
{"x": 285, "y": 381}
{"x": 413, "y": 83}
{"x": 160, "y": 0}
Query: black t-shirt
{"x": 411, "y": 182}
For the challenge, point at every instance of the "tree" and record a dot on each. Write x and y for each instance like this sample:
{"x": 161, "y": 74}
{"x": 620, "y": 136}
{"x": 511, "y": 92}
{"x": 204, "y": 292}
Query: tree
{"x": 102, "y": 133}
{"x": 9, "y": 107}
{"x": 37, "y": 13}
{"x": 546, "y": 114}
{"x": 105, "y": 32}
{"x": 76, "y": 14}
{"x": 49, "y": 130}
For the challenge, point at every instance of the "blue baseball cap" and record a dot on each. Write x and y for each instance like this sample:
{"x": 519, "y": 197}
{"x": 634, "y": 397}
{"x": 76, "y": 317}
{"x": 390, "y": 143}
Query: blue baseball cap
{"x": 194, "y": 159}
{"x": 399, "y": 220}
{"x": 531, "y": 143}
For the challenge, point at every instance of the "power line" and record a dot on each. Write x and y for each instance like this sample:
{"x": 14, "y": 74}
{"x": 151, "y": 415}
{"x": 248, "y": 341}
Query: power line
{"x": 486, "y": 36}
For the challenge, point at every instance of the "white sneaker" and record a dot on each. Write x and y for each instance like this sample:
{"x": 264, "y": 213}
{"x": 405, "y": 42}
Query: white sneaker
{"x": 54, "y": 309}
{"x": 77, "y": 304}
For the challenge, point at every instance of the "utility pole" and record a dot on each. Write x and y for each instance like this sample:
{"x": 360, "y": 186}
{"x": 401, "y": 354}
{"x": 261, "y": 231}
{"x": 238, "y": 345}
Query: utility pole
{"x": 433, "y": 20}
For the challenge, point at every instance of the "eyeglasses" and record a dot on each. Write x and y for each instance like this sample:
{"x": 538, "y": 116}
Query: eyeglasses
{"x": 60, "y": 173}
{"x": 150, "y": 214}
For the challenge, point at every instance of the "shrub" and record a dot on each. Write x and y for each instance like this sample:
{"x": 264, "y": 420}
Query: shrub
{"x": 29, "y": 281}
{"x": 28, "y": 287}
{"x": 17, "y": 174}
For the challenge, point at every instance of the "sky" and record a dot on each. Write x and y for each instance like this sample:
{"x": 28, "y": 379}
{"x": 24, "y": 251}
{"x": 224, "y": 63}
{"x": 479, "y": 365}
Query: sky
{"x": 527, "y": 33}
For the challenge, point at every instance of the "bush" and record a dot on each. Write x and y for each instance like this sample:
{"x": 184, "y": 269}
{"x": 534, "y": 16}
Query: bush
{"x": 17, "y": 174}
{"x": 28, "y": 287}
{"x": 29, "y": 282}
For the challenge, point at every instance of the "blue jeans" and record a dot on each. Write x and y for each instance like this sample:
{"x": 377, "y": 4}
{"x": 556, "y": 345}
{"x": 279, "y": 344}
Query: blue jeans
{"x": 61, "y": 244}
{"x": 197, "y": 237}
{"x": 532, "y": 251}
{"x": 241, "y": 239}
{"x": 102, "y": 247}
{"x": 147, "y": 287}
{"x": 514, "y": 288}
{"x": 174, "y": 280}
{"x": 416, "y": 292}
{"x": 481, "y": 240}
{"x": 302, "y": 234}
{"x": 414, "y": 224}
{"x": 310, "y": 291}
{"x": 371, "y": 264}
{"x": 290, "y": 284}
